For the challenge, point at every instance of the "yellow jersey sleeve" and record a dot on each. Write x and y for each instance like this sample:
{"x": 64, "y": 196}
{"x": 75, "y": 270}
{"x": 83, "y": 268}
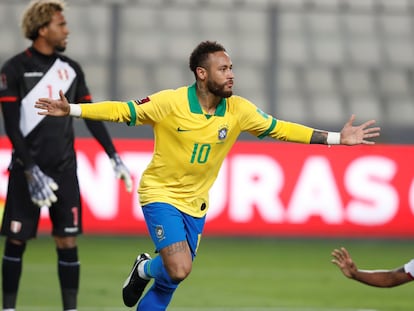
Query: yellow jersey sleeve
{"x": 152, "y": 109}
{"x": 113, "y": 111}
{"x": 292, "y": 132}
{"x": 149, "y": 110}
{"x": 260, "y": 124}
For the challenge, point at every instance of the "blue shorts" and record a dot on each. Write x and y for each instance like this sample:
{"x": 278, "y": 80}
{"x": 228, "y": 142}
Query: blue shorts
{"x": 167, "y": 225}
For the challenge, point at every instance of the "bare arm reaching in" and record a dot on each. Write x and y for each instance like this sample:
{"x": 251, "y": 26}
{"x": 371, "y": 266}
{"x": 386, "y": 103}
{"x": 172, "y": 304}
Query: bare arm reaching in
{"x": 377, "y": 278}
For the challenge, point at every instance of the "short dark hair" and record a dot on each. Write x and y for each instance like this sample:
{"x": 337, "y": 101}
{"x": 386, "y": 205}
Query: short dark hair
{"x": 198, "y": 57}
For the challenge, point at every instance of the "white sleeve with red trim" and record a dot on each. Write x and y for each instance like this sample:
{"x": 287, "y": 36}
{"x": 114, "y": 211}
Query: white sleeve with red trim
{"x": 409, "y": 268}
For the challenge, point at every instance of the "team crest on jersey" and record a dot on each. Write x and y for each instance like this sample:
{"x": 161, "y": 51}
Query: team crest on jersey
{"x": 159, "y": 232}
{"x": 63, "y": 74}
{"x": 15, "y": 226}
{"x": 3, "y": 82}
{"x": 142, "y": 101}
{"x": 222, "y": 132}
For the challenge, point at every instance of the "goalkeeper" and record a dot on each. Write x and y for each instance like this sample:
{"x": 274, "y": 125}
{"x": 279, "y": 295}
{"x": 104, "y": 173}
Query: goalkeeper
{"x": 43, "y": 164}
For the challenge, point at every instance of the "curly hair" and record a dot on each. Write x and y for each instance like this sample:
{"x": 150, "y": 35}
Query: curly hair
{"x": 38, "y": 14}
{"x": 199, "y": 56}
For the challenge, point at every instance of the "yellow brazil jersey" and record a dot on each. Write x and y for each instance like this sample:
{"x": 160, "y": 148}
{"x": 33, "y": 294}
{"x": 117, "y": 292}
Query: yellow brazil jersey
{"x": 191, "y": 145}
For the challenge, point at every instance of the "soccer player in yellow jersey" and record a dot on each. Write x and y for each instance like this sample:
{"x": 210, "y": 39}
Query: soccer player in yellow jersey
{"x": 195, "y": 127}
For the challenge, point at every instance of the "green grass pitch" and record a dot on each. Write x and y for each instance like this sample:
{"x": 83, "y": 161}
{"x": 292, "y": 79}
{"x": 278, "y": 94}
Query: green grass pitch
{"x": 246, "y": 274}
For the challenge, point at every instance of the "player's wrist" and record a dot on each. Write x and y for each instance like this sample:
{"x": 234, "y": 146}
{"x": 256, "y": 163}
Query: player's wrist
{"x": 334, "y": 138}
{"x": 75, "y": 110}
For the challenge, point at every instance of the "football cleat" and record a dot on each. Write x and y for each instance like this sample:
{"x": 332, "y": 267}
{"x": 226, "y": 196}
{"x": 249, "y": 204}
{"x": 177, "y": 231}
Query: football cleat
{"x": 134, "y": 285}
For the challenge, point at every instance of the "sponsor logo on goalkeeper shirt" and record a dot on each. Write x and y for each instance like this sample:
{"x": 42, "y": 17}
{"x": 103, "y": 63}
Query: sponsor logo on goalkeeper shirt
{"x": 34, "y": 74}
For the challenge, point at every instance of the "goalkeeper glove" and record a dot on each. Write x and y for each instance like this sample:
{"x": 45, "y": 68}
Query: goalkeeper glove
{"x": 41, "y": 187}
{"x": 121, "y": 171}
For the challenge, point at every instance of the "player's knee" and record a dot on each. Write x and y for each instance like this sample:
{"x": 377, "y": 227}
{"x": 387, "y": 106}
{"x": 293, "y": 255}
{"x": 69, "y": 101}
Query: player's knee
{"x": 14, "y": 248}
{"x": 65, "y": 242}
{"x": 179, "y": 272}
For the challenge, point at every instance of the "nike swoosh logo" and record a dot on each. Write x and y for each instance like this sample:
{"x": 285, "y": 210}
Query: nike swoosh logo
{"x": 179, "y": 129}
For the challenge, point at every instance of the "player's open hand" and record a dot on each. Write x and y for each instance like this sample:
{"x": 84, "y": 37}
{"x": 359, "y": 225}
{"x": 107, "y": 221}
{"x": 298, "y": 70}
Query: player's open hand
{"x": 354, "y": 135}
{"x": 343, "y": 260}
{"x": 53, "y": 107}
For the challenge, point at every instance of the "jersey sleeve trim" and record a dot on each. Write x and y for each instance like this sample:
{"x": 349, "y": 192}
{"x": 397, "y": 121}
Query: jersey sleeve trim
{"x": 271, "y": 127}
{"x": 86, "y": 98}
{"x": 133, "y": 114}
{"x": 8, "y": 99}
{"x": 409, "y": 268}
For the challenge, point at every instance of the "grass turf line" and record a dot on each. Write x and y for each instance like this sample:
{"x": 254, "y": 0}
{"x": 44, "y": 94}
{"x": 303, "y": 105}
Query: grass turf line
{"x": 259, "y": 274}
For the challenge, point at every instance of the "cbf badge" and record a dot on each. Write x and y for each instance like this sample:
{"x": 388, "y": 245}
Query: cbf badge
{"x": 159, "y": 232}
{"x": 222, "y": 132}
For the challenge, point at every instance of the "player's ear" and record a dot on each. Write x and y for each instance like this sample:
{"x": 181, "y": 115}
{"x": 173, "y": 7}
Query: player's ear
{"x": 201, "y": 73}
{"x": 42, "y": 31}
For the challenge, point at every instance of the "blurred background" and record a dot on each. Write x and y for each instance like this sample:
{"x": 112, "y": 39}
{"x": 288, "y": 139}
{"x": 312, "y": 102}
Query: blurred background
{"x": 310, "y": 61}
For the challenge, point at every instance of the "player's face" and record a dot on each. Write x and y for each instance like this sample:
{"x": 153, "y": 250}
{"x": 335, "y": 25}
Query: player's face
{"x": 220, "y": 75}
{"x": 57, "y": 32}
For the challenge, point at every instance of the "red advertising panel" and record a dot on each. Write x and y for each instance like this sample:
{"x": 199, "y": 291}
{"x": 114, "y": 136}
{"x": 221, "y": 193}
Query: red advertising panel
{"x": 263, "y": 189}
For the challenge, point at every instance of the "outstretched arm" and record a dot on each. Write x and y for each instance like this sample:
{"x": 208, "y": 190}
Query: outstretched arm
{"x": 61, "y": 107}
{"x": 377, "y": 278}
{"x": 349, "y": 135}
{"x": 112, "y": 111}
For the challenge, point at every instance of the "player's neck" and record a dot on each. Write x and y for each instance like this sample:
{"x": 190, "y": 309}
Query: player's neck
{"x": 209, "y": 104}
{"x": 42, "y": 47}
{"x": 207, "y": 100}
